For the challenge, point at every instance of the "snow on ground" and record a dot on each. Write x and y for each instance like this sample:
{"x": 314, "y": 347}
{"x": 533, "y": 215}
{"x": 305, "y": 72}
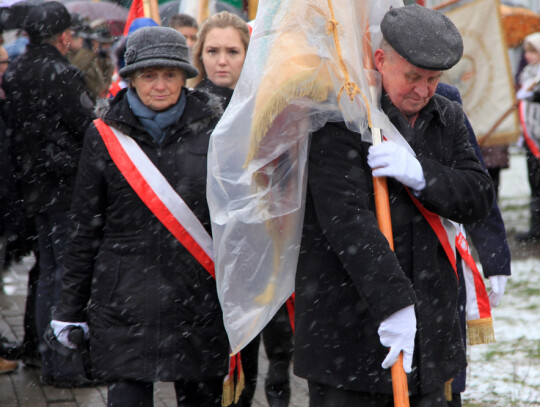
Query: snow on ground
{"x": 507, "y": 372}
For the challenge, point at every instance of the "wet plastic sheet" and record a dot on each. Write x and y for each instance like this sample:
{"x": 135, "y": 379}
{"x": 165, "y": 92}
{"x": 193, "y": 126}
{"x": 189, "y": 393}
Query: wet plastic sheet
{"x": 305, "y": 66}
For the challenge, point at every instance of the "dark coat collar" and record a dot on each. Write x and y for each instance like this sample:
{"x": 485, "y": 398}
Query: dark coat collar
{"x": 199, "y": 106}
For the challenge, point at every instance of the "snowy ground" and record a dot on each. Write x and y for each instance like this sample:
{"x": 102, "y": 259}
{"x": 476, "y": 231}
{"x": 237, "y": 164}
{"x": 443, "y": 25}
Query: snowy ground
{"x": 507, "y": 373}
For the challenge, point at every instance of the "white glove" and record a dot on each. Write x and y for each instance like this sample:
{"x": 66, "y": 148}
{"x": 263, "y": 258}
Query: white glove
{"x": 61, "y": 331}
{"x": 523, "y": 94}
{"x": 498, "y": 283}
{"x": 397, "y": 332}
{"x": 389, "y": 159}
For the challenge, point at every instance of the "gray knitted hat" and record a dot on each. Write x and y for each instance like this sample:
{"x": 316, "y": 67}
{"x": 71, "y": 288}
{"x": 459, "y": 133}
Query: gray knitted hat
{"x": 157, "y": 47}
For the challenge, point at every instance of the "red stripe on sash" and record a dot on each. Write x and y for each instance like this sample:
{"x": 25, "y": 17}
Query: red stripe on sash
{"x": 435, "y": 222}
{"x": 149, "y": 197}
{"x": 482, "y": 298}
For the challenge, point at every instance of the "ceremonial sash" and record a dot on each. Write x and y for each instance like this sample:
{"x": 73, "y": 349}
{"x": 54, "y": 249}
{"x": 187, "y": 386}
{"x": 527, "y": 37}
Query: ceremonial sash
{"x": 451, "y": 236}
{"x": 529, "y": 140}
{"x": 478, "y": 310}
{"x": 171, "y": 210}
{"x": 158, "y": 195}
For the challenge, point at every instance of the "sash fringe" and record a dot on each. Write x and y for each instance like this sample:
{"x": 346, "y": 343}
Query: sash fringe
{"x": 480, "y": 331}
{"x": 448, "y": 390}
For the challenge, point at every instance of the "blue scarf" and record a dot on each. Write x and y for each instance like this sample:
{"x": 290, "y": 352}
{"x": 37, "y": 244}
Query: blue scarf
{"x": 156, "y": 123}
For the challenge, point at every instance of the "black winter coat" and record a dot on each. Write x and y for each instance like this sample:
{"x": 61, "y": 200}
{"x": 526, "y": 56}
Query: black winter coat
{"x": 348, "y": 280}
{"x": 47, "y": 111}
{"x": 152, "y": 309}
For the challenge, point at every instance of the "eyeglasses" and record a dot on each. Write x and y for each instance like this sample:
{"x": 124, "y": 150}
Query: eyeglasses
{"x": 5, "y": 61}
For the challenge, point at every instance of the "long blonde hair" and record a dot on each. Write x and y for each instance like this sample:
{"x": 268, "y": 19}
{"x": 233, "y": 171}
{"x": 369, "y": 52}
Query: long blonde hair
{"x": 223, "y": 19}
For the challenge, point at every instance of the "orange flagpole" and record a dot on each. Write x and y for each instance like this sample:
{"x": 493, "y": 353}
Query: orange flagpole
{"x": 382, "y": 209}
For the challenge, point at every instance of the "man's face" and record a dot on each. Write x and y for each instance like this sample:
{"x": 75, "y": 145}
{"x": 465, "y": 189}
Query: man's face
{"x": 190, "y": 33}
{"x": 408, "y": 86}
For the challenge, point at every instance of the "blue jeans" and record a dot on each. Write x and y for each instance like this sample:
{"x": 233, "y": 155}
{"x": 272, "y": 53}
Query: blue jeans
{"x": 52, "y": 231}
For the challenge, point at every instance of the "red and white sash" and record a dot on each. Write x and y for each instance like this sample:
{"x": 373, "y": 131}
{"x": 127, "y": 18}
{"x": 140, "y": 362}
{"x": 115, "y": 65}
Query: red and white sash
{"x": 452, "y": 237}
{"x": 171, "y": 210}
{"x": 529, "y": 140}
{"x": 158, "y": 195}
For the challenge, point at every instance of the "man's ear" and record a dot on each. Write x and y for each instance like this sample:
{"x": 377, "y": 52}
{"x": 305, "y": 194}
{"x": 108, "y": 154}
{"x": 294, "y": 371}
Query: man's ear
{"x": 379, "y": 58}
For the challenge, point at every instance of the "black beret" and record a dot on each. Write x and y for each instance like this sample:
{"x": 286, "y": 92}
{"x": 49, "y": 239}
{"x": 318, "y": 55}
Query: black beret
{"x": 46, "y": 19}
{"x": 424, "y": 37}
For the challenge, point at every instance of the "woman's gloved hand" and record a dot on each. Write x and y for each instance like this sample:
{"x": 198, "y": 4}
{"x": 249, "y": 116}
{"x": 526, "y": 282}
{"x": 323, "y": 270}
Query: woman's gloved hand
{"x": 62, "y": 329}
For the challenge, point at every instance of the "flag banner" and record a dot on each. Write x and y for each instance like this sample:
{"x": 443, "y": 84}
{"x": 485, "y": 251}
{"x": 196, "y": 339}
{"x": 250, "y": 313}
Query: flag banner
{"x": 306, "y": 65}
{"x": 136, "y": 10}
{"x": 483, "y": 76}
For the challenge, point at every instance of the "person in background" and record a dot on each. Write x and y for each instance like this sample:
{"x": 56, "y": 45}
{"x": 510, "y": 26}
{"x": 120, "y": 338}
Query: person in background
{"x": 528, "y": 81}
{"x": 8, "y": 349}
{"x": 360, "y": 304}
{"x": 143, "y": 295}
{"x": 102, "y": 41}
{"x": 18, "y": 45}
{"x": 187, "y": 26}
{"x": 47, "y": 112}
{"x": 83, "y": 57}
{"x": 219, "y": 57}
{"x": 489, "y": 240}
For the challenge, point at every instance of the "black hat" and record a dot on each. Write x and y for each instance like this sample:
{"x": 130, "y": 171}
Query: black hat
{"x": 46, "y": 19}
{"x": 80, "y": 27}
{"x": 424, "y": 37}
{"x": 157, "y": 47}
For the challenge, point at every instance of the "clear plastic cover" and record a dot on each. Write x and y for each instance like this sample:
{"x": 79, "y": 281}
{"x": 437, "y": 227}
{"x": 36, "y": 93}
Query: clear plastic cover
{"x": 308, "y": 62}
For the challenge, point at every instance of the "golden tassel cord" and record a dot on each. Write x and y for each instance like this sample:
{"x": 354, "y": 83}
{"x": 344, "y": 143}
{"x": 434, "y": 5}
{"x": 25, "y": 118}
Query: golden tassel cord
{"x": 448, "y": 390}
{"x": 227, "y": 398}
{"x": 240, "y": 384}
{"x": 480, "y": 331}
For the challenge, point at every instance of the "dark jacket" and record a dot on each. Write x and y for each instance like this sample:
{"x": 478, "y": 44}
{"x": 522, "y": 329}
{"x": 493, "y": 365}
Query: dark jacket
{"x": 152, "y": 308}
{"x": 348, "y": 280}
{"x": 47, "y": 112}
{"x": 224, "y": 94}
{"x": 487, "y": 236}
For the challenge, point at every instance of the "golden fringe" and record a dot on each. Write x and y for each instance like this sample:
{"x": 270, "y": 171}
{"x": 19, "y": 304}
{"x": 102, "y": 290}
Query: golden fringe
{"x": 480, "y": 331}
{"x": 240, "y": 385}
{"x": 448, "y": 390}
{"x": 227, "y": 398}
{"x": 297, "y": 86}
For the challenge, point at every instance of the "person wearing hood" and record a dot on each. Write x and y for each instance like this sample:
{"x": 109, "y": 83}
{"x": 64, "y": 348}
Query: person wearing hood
{"x": 137, "y": 276}
{"x": 47, "y": 111}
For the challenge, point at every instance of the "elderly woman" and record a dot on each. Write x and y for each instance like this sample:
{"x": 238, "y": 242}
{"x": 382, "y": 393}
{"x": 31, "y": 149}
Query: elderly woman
{"x": 137, "y": 273}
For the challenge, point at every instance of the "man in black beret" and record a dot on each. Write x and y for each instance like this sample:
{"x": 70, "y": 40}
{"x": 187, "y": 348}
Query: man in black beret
{"x": 48, "y": 110}
{"x": 358, "y": 303}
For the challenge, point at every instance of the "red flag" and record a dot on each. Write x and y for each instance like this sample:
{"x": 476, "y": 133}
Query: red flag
{"x": 135, "y": 11}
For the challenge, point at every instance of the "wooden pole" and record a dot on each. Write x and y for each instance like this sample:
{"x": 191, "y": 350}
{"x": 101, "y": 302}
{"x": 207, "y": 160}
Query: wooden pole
{"x": 382, "y": 206}
{"x": 490, "y": 132}
{"x": 154, "y": 11}
{"x": 252, "y": 9}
